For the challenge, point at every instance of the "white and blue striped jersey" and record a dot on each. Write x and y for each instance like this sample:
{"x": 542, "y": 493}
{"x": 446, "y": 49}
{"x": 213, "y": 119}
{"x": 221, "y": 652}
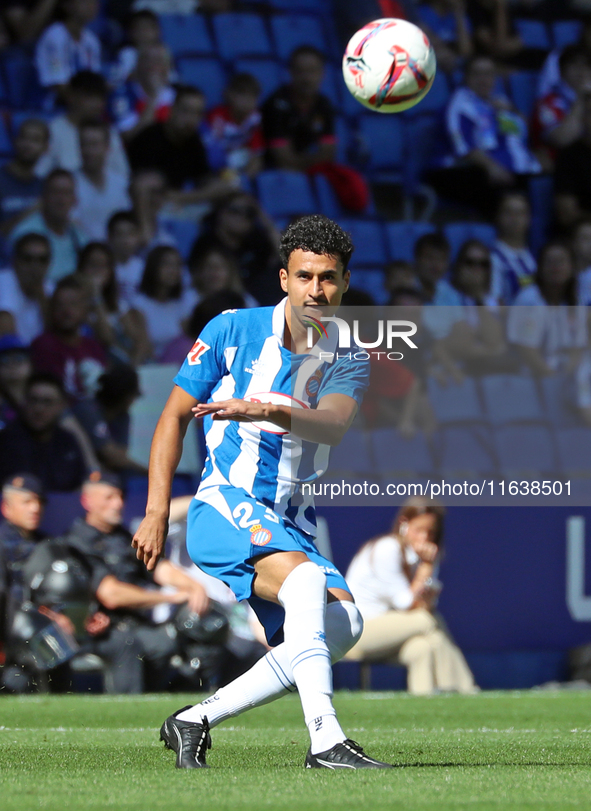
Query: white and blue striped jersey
{"x": 241, "y": 354}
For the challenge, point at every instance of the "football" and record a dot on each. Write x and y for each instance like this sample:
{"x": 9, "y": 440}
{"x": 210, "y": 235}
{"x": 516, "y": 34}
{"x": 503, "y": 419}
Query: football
{"x": 389, "y": 65}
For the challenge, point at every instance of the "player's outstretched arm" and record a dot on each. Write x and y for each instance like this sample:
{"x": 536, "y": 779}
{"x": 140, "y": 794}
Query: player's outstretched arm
{"x": 167, "y": 446}
{"x": 325, "y": 425}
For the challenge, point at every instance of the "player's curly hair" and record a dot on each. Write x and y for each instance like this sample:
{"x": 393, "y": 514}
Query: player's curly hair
{"x": 318, "y": 234}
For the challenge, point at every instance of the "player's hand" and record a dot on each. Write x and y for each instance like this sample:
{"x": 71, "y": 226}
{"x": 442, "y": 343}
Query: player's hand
{"x": 150, "y": 538}
{"x": 235, "y": 410}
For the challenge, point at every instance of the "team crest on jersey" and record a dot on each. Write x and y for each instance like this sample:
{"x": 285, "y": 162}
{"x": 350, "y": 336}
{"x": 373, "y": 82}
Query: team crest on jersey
{"x": 259, "y": 536}
{"x": 313, "y": 383}
{"x": 196, "y": 353}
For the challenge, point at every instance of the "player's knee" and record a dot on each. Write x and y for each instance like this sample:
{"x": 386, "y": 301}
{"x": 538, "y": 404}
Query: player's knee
{"x": 344, "y": 626}
{"x": 305, "y": 579}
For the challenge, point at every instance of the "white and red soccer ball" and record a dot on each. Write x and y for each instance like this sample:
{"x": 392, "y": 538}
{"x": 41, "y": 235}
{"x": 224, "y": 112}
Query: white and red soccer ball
{"x": 389, "y": 65}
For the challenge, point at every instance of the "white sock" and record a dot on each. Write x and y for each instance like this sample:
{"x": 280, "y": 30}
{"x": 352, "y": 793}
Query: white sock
{"x": 271, "y": 677}
{"x": 303, "y": 596}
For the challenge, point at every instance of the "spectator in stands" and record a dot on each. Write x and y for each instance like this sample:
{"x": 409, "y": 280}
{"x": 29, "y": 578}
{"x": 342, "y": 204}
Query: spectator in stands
{"x": 64, "y": 349}
{"x": 68, "y": 46}
{"x": 127, "y": 592}
{"x": 550, "y": 332}
{"x": 24, "y": 286}
{"x": 86, "y": 100}
{"x": 514, "y": 265}
{"x": 558, "y": 117}
{"x": 106, "y": 421}
{"x": 175, "y": 148}
{"x": 119, "y": 328}
{"x": 488, "y": 149}
{"x": 124, "y": 241}
{"x": 147, "y": 96}
{"x": 234, "y": 127}
{"x": 15, "y": 370}
{"x": 215, "y": 270}
{"x": 100, "y": 192}
{"x": 400, "y": 274}
{"x": 143, "y": 30}
{"x": 210, "y": 306}
{"x": 238, "y": 224}
{"x": 54, "y": 221}
{"x": 393, "y": 580}
{"x": 581, "y": 244}
{"x": 431, "y": 263}
{"x": 25, "y": 20}
{"x": 572, "y": 178}
{"x": 447, "y": 25}
{"x": 20, "y": 188}
{"x": 35, "y": 442}
{"x": 496, "y": 35}
{"x": 148, "y": 190}
{"x": 298, "y": 125}
{"x": 549, "y": 75}
{"x": 163, "y": 300}
{"x": 472, "y": 331}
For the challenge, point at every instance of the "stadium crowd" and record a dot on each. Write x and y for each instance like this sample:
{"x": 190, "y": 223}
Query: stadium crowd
{"x": 152, "y": 150}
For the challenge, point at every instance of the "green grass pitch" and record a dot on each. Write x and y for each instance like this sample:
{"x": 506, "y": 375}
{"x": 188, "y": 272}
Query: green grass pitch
{"x": 489, "y": 751}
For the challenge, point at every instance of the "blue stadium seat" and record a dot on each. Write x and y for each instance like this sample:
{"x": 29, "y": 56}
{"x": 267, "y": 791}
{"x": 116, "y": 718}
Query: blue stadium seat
{"x": 269, "y": 73}
{"x": 368, "y": 238}
{"x": 458, "y": 232}
{"x": 291, "y": 31}
{"x": 566, "y": 32}
{"x": 283, "y": 193}
{"x": 466, "y": 452}
{"x": 185, "y": 232}
{"x": 402, "y": 236}
{"x": 186, "y": 34}
{"x": 382, "y": 138}
{"x": 352, "y": 454}
{"x": 455, "y": 402}
{"x": 328, "y": 202}
{"x": 333, "y": 86}
{"x": 206, "y": 74}
{"x": 308, "y": 6}
{"x": 370, "y": 281}
{"x": 5, "y": 139}
{"x": 522, "y": 89}
{"x": 558, "y": 401}
{"x": 533, "y": 34}
{"x": 395, "y": 455}
{"x": 511, "y": 399}
{"x": 22, "y": 88}
{"x": 541, "y": 195}
{"x": 525, "y": 450}
{"x": 574, "y": 451}
{"x": 239, "y": 34}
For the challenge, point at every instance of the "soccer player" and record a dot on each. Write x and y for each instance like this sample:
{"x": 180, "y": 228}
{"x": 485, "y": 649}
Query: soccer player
{"x": 272, "y": 407}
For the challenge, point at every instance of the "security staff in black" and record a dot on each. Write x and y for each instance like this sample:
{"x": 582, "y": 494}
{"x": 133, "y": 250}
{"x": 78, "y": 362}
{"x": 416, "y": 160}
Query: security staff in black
{"x": 126, "y": 636}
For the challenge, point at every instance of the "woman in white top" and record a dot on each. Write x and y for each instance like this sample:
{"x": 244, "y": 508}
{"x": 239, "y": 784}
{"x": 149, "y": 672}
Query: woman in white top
{"x": 545, "y": 324}
{"x": 392, "y": 580}
{"x": 163, "y": 298}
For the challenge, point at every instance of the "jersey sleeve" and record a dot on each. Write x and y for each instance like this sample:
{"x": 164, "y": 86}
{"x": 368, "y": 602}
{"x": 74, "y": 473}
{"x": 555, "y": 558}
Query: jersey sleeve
{"x": 205, "y": 365}
{"x": 348, "y": 376}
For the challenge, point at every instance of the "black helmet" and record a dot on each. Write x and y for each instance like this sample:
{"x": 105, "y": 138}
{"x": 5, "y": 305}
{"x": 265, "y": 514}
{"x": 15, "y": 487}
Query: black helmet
{"x": 212, "y": 628}
{"x": 58, "y": 577}
{"x": 36, "y": 641}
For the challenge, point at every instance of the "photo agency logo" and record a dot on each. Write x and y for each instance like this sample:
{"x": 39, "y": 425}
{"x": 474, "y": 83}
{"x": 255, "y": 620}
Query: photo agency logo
{"x": 355, "y": 339}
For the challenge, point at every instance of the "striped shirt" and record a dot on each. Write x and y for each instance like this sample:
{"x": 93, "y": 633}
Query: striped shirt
{"x": 240, "y": 354}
